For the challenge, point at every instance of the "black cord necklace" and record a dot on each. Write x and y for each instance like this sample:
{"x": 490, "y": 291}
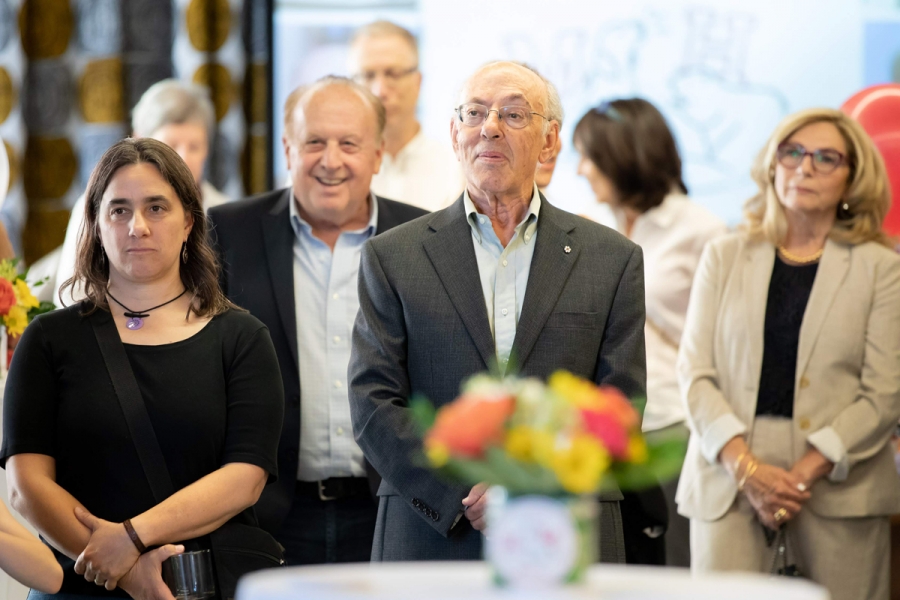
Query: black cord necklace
{"x": 136, "y": 318}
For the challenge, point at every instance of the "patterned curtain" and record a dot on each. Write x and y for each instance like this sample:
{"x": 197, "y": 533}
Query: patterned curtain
{"x": 223, "y": 44}
{"x": 71, "y": 70}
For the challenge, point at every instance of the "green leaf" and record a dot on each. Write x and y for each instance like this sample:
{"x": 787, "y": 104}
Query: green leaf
{"x": 519, "y": 477}
{"x": 664, "y": 460}
{"x": 43, "y": 307}
{"x": 423, "y": 413}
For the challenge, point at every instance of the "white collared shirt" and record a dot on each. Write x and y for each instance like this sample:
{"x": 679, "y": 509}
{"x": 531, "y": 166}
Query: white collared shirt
{"x": 425, "y": 173}
{"x": 504, "y": 271}
{"x": 326, "y": 302}
{"x": 672, "y": 237}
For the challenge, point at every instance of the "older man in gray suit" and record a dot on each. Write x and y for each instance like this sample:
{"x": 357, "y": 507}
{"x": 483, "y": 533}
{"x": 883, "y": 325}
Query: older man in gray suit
{"x": 501, "y": 277}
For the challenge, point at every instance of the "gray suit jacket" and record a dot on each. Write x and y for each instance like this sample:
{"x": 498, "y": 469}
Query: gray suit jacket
{"x": 423, "y": 328}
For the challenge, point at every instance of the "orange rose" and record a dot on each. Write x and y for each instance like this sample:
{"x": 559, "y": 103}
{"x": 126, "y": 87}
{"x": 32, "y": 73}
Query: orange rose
{"x": 7, "y": 296}
{"x": 469, "y": 424}
{"x": 618, "y": 404}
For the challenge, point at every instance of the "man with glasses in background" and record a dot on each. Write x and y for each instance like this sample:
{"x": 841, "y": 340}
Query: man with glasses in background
{"x": 416, "y": 170}
{"x": 500, "y": 279}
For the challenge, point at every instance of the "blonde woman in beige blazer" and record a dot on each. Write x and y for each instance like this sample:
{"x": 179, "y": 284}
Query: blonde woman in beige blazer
{"x": 789, "y": 367}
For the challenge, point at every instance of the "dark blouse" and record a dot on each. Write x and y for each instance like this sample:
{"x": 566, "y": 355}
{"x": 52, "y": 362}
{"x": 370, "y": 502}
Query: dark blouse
{"x": 214, "y": 398}
{"x": 789, "y": 291}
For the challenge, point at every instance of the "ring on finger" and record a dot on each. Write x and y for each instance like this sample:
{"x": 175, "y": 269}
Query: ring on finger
{"x": 780, "y": 514}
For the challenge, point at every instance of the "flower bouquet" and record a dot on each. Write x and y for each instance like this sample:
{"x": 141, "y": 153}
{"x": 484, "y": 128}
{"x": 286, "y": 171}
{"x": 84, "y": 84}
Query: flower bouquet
{"x": 18, "y": 306}
{"x": 543, "y": 445}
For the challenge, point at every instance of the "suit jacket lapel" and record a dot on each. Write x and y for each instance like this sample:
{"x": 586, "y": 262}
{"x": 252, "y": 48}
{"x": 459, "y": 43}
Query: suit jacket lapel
{"x": 755, "y": 291}
{"x": 278, "y": 236}
{"x": 453, "y": 256}
{"x": 830, "y": 276}
{"x": 386, "y": 219}
{"x": 550, "y": 268}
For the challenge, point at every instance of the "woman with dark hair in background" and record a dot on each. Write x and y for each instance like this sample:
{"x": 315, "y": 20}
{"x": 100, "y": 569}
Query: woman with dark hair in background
{"x": 629, "y": 157}
{"x": 206, "y": 372}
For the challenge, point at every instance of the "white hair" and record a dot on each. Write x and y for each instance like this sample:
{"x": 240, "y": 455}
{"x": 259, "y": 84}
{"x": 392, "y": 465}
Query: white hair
{"x": 169, "y": 102}
{"x": 553, "y": 110}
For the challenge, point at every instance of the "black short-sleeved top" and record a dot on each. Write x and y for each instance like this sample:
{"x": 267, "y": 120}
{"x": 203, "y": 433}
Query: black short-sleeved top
{"x": 214, "y": 398}
{"x": 789, "y": 291}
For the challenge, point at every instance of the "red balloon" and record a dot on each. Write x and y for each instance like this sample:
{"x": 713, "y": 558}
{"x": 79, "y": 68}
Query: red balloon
{"x": 877, "y": 109}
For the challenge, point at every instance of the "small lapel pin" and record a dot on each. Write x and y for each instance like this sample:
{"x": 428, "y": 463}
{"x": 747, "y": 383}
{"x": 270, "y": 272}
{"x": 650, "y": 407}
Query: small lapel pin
{"x": 567, "y": 249}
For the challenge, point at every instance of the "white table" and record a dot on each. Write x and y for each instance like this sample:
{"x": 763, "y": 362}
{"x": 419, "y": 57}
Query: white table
{"x": 471, "y": 581}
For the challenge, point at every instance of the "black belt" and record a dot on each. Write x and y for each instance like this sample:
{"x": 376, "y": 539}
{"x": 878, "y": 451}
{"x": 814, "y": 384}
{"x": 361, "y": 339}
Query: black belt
{"x": 334, "y": 488}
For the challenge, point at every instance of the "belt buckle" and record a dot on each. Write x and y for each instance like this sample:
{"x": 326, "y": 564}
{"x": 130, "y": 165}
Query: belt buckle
{"x": 322, "y": 496}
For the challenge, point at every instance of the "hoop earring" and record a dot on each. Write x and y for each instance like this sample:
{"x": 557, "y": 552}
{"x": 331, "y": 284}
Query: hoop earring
{"x": 184, "y": 254}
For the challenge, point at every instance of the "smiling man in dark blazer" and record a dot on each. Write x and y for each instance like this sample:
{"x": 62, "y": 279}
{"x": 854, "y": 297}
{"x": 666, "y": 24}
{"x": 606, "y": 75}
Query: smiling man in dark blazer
{"x": 291, "y": 257}
{"x": 501, "y": 276}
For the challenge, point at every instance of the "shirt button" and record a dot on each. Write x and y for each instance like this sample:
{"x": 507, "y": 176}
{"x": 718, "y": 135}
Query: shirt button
{"x": 337, "y": 339}
{"x": 481, "y": 220}
{"x": 804, "y": 382}
{"x": 505, "y": 312}
{"x": 337, "y": 383}
{"x": 505, "y": 262}
{"x": 340, "y": 431}
{"x": 527, "y": 237}
{"x": 804, "y": 423}
{"x": 335, "y": 296}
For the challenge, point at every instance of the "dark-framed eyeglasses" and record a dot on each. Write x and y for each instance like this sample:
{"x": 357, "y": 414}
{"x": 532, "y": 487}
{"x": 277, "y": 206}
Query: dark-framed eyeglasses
{"x": 824, "y": 160}
{"x": 391, "y": 75}
{"x": 516, "y": 117}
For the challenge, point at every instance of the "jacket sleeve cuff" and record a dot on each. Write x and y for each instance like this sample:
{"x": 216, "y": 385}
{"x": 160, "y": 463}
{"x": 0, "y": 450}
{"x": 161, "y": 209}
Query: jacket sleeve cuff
{"x": 827, "y": 441}
{"x": 718, "y": 434}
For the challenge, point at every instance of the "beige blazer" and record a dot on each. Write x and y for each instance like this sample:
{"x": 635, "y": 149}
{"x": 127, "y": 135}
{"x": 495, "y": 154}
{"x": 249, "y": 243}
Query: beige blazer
{"x": 847, "y": 390}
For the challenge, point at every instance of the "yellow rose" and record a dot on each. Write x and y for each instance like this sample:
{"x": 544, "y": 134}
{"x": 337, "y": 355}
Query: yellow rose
{"x": 580, "y": 466}
{"x": 437, "y": 454}
{"x": 24, "y": 295}
{"x": 16, "y": 320}
{"x": 637, "y": 449}
{"x": 576, "y": 391}
{"x": 8, "y": 269}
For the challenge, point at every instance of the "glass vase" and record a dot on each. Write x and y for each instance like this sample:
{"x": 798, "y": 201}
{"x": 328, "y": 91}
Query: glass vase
{"x": 540, "y": 541}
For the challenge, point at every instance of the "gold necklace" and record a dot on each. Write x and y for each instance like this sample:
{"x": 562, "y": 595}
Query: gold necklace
{"x": 802, "y": 260}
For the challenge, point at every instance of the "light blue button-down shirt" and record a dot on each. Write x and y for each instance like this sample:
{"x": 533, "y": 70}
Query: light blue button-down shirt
{"x": 503, "y": 271}
{"x": 326, "y": 303}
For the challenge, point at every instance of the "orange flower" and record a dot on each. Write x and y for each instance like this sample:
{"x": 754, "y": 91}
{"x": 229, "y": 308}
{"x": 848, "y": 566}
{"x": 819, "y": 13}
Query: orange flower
{"x": 469, "y": 424}
{"x": 618, "y": 404}
{"x": 7, "y": 296}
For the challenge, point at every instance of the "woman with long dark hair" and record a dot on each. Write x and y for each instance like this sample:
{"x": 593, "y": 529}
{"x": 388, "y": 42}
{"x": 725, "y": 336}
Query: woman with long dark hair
{"x": 630, "y": 158}
{"x": 206, "y": 373}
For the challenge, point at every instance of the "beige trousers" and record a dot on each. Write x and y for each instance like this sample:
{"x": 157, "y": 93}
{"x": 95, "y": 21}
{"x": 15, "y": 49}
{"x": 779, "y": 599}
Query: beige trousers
{"x": 850, "y": 557}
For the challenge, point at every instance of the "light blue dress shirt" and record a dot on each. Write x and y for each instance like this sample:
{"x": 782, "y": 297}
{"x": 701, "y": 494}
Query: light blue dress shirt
{"x": 503, "y": 271}
{"x": 326, "y": 302}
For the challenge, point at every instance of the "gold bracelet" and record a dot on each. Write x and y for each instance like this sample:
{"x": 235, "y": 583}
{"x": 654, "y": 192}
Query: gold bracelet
{"x": 751, "y": 469}
{"x": 736, "y": 465}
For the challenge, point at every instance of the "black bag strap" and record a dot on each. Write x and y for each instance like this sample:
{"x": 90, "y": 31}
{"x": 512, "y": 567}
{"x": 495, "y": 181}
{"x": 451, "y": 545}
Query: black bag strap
{"x": 133, "y": 407}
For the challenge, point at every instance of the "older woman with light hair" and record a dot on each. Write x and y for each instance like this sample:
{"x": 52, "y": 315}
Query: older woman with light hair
{"x": 790, "y": 367}
{"x": 177, "y": 114}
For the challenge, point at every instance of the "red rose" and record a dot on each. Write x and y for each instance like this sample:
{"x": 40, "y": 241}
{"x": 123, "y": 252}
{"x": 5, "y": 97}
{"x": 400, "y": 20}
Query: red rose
{"x": 7, "y": 296}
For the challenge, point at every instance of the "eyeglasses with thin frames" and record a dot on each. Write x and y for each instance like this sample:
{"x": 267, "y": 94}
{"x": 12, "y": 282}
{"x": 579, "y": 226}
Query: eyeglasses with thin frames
{"x": 824, "y": 160}
{"x": 391, "y": 75}
{"x": 516, "y": 117}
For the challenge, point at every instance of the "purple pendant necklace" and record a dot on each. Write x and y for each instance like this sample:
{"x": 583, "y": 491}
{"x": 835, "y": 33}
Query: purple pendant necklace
{"x": 136, "y": 317}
